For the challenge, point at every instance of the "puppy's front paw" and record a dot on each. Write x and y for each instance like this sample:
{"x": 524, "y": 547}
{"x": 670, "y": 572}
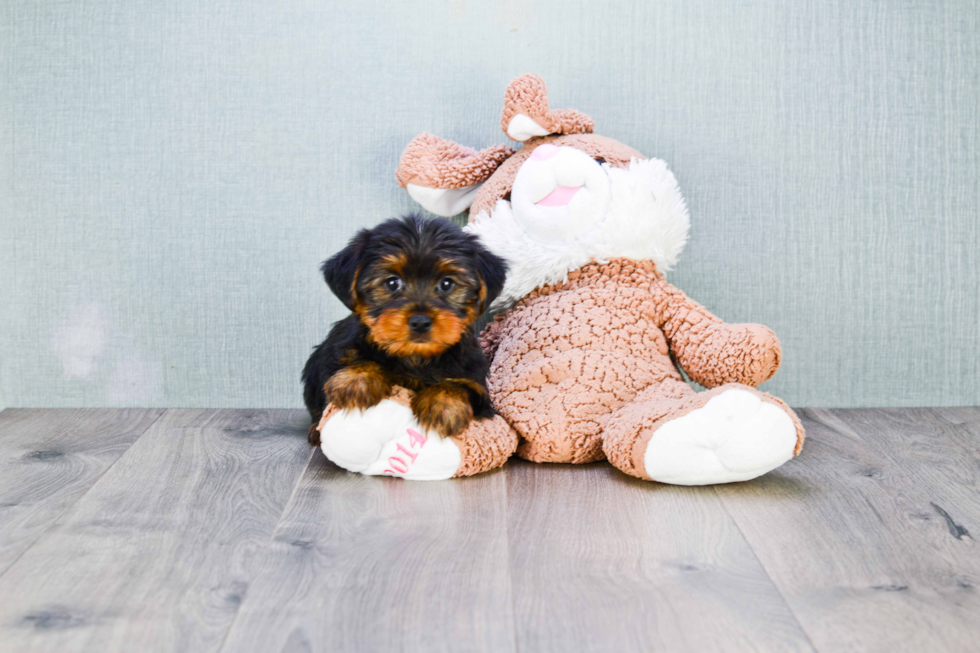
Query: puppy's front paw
{"x": 444, "y": 408}
{"x": 313, "y": 435}
{"x": 361, "y": 385}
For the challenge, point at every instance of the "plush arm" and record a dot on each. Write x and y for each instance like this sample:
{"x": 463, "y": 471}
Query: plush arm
{"x": 490, "y": 338}
{"x": 710, "y": 351}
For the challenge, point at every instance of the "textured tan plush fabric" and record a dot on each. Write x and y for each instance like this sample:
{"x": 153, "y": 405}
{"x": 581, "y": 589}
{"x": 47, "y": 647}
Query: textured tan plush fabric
{"x": 439, "y": 163}
{"x": 630, "y": 428}
{"x": 436, "y": 162}
{"x": 528, "y": 95}
{"x": 484, "y": 445}
{"x": 588, "y": 369}
{"x": 568, "y": 357}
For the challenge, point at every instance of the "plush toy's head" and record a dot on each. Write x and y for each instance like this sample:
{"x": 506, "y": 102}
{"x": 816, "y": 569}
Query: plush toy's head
{"x": 566, "y": 198}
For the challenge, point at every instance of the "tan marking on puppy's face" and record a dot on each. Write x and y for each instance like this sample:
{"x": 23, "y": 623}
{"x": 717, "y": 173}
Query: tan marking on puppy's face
{"x": 391, "y": 332}
{"x": 396, "y": 288}
{"x": 376, "y": 289}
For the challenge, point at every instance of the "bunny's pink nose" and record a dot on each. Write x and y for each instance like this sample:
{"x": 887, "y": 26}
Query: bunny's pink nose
{"x": 544, "y": 152}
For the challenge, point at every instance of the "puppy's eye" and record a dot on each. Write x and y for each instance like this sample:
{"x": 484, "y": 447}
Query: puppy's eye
{"x": 447, "y": 284}
{"x": 393, "y": 284}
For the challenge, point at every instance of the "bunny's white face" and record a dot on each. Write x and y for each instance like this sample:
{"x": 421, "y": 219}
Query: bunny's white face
{"x": 562, "y": 208}
{"x": 566, "y": 209}
{"x": 559, "y": 194}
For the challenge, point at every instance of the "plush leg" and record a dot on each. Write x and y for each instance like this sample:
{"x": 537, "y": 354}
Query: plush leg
{"x": 559, "y": 403}
{"x": 387, "y": 440}
{"x": 728, "y": 434}
{"x": 557, "y": 423}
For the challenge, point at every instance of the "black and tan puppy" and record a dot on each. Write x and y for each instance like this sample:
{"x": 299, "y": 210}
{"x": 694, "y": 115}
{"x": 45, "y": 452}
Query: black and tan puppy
{"x": 414, "y": 286}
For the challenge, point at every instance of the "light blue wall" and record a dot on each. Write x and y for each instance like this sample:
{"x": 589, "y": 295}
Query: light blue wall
{"x": 174, "y": 172}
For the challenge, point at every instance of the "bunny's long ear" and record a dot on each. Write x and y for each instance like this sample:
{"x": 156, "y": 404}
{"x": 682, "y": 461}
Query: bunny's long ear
{"x": 444, "y": 176}
{"x": 526, "y": 113}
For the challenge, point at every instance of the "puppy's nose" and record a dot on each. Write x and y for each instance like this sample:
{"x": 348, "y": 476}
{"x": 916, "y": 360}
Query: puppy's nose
{"x": 420, "y": 324}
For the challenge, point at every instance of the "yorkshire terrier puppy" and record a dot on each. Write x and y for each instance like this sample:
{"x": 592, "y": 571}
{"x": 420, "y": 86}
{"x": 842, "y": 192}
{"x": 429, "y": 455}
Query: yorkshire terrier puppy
{"x": 414, "y": 286}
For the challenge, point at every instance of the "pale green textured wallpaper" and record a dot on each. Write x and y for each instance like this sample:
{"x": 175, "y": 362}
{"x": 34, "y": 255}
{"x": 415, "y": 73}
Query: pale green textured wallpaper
{"x": 174, "y": 172}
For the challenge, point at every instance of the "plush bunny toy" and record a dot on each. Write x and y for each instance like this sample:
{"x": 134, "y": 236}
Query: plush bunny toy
{"x": 585, "y": 356}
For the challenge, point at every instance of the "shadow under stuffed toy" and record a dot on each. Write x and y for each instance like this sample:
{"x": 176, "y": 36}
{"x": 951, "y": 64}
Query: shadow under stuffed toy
{"x": 584, "y": 359}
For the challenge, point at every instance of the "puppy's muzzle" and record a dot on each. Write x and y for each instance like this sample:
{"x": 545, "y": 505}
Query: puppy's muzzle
{"x": 420, "y": 324}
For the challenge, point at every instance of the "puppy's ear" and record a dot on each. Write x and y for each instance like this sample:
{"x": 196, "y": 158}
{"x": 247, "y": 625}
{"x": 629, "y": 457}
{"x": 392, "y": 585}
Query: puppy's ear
{"x": 340, "y": 270}
{"x": 493, "y": 272}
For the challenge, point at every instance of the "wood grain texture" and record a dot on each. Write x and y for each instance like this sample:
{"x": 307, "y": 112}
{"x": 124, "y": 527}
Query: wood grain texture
{"x": 603, "y": 562}
{"x": 50, "y": 458}
{"x": 370, "y": 564}
{"x": 219, "y": 530}
{"x": 864, "y": 536}
{"x": 938, "y": 452}
{"x": 964, "y": 427}
{"x": 157, "y": 555}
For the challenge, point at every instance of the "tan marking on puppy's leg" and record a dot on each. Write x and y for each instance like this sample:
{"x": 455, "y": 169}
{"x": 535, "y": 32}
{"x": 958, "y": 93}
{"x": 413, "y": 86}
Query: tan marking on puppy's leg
{"x": 444, "y": 408}
{"x": 360, "y": 385}
{"x": 471, "y": 384}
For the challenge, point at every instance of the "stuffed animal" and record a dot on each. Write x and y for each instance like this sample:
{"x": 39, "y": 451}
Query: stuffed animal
{"x": 386, "y": 440}
{"x": 587, "y": 351}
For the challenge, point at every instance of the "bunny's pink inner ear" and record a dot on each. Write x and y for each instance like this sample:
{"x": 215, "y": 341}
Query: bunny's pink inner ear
{"x": 444, "y": 176}
{"x": 526, "y": 113}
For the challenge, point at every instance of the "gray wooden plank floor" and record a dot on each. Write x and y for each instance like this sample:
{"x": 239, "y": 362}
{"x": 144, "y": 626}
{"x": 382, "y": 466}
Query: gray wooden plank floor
{"x": 48, "y": 459}
{"x": 221, "y": 530}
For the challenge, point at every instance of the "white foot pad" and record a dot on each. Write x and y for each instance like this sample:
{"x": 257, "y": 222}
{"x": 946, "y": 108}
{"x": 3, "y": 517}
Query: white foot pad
{"x": 386, "y": 440}
{"x": 734, "y": 437}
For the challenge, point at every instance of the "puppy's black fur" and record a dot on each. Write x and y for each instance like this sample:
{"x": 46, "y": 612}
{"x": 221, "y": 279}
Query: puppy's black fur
{"x": 414, "y": 286}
